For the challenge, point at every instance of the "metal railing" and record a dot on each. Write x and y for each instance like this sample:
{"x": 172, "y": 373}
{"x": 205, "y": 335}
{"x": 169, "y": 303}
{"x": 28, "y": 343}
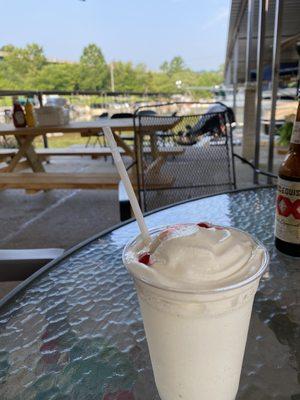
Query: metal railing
{"x": 82, "y": 93}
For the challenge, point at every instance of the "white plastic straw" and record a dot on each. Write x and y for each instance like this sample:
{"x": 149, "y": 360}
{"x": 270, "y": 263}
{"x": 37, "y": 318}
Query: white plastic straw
{"x": 127, "y": 184}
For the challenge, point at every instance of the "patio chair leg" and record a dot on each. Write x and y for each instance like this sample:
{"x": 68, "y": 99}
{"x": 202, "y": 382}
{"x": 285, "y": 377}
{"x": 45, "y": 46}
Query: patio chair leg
{"x": 88, "y": 141}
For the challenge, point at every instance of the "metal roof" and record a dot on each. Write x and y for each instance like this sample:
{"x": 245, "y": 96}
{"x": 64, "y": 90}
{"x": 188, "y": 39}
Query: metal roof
{"x": 238, "y": 31}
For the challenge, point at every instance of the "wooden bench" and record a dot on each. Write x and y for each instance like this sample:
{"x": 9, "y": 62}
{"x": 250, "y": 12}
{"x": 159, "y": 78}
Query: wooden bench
{"x": 103, "y": 151}
{"x": 165, "y": 151}
{"x": 46, "y": 181}
{"x": 80, "y": 152}
{"x": 33, "y": 181}
{"x": 43, "y": 153}
{"x": 6, "y": 154}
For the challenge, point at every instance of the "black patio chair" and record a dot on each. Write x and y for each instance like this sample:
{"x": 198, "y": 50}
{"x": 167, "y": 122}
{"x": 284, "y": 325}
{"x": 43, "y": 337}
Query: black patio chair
{"x": 163, "y": 137}
{"x": 99, "y": 136}
{"x": 146, "y": 112}
{"x": 197, "y": 160}
{"x": 211, "y": 122}
{"x": 129, "y": 138}
{"x": 104, "y": 115}
{"x": 121, "y": 115}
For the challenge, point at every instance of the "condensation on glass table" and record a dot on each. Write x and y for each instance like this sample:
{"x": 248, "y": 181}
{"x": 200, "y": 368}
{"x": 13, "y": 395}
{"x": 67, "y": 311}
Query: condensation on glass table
{"x": 76, "y": 331}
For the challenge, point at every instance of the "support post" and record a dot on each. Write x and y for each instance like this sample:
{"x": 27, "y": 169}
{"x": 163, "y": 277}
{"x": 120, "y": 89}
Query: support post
{"x": 259, "y": 81}
{"x": 275, "y": 78}
{"x": 249, "y": 44}
{"x": 235, "y": 74}
{"x": 249, "y": 105}
{"x": 228, "y": 74}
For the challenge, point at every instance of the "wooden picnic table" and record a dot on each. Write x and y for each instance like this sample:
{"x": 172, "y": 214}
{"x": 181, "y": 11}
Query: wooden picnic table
{"x": 116, "y": 125}
{"x": 121, "y": 124}
{"x": 88, "y": 127}
{"x": 25, "y": 137}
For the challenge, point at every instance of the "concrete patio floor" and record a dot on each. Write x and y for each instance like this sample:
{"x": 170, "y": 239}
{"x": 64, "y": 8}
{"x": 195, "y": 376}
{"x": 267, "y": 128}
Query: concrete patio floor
{"x": 64, "y": 218}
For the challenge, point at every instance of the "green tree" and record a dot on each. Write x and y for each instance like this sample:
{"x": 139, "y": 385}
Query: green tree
{"x": 57, "y": 77}
{"x": 34, "y": 56}
{"x": 28, "y": 68}
{"x": 176, "y": 65}
{"x": 162, "y": 83}
{"x": 20, "y": 65}
{"x": 131, "y": 78}
{"x": 93, "y": 72}
{"x": 165, "y": 67}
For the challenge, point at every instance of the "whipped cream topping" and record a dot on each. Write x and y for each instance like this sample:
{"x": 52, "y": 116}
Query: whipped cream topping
{"x": 192, "y": 257}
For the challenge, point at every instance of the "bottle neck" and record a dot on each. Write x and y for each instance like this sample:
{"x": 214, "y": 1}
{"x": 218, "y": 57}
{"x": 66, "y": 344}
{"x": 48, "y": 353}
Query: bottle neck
{"x": 295, "y": 138}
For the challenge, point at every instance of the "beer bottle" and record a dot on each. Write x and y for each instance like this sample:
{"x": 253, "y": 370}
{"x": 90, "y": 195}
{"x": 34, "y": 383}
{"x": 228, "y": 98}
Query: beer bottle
{"x": 287, "y": 223}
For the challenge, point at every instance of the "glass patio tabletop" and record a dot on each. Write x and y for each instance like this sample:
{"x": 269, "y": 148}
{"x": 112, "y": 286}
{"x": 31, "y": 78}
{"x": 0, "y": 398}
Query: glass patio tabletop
{"x": 75, "y": 331}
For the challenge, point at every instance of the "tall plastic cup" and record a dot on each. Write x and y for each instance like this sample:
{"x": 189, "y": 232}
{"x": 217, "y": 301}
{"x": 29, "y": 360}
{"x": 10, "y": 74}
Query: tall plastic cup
{"x": 197, "y": 339}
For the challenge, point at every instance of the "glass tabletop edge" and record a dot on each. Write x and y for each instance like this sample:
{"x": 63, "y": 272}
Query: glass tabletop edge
{"x": 8, "y": 297}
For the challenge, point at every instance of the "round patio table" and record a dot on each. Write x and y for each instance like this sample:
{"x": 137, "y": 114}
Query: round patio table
{"x": 74, "y": 331}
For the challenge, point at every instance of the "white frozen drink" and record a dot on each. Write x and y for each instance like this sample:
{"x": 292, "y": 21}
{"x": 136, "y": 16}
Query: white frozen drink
{"x": 196, "y": 284}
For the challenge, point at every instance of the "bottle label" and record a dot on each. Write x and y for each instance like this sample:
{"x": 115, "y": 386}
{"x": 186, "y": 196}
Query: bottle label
{"x": 19, "y": 116}
{"x": 296, "y": 133}
{"x": 287, "y": 223}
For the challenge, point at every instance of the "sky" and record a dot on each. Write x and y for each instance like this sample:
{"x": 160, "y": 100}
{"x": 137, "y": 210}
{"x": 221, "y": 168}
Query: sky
{"x": 141, "y": 31}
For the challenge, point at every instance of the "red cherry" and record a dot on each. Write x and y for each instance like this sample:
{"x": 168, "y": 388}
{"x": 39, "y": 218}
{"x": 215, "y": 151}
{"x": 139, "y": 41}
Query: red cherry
{"x": 204, "y": 225}
{"x": 145, "y": 258}
{"x": 207, "y": 225}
